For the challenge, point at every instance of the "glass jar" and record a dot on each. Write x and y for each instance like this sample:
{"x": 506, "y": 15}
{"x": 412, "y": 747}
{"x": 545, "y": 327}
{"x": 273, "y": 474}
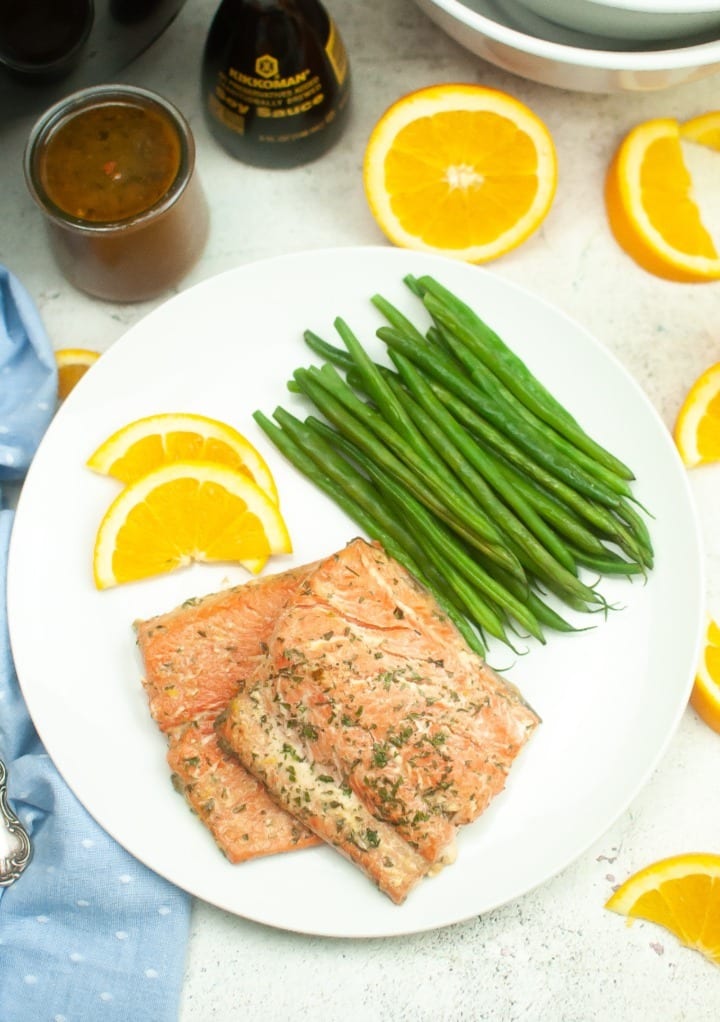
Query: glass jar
{"x": 112, "y": 168}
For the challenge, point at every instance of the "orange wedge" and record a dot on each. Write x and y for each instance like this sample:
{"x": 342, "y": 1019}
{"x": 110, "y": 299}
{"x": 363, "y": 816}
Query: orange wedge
{"x": 705, "y": 695}
{"x": 147, "y": 443}
{"x": 463, "y": 170}
{"x": 651, "y": 204}
{"x": 704, "y": 129}
{"x": 72, "y": 365}
{"x": 183, "y": 512}
{"x": 697, "y": 427}
{"x": 682, "y": 894}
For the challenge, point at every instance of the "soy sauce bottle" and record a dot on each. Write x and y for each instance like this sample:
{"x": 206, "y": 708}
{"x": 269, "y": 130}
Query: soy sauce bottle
{"x": 275, "y": 81}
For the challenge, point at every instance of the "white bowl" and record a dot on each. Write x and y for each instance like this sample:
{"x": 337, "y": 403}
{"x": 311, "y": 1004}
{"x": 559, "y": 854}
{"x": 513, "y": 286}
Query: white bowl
{"x": 639, "y": 20}
{"x": 483, "y": 28}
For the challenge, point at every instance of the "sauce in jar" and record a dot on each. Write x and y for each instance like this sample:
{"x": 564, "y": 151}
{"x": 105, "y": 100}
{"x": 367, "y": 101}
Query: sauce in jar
{"x": 109, "y": 162}
{"x": 113, "y": 170}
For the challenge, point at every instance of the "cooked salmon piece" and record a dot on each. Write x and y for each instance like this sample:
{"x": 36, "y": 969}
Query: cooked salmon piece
{"x": 196, "y": 658}
{"x": 237, "y": 810}
{"x": 317, "y": 796}
{"x": 372, "y": 721}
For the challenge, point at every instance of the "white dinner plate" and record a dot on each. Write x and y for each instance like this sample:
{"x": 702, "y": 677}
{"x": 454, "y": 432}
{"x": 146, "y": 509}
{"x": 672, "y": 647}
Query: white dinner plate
{"x": 610, "y": 698}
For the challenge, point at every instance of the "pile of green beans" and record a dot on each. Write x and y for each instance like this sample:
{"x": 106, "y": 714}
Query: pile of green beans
{"x": 466, "y": 469}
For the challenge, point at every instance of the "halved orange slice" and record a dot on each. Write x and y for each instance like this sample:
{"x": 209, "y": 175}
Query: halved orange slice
{"x": 187, "y": 511}
{"x": 463, "y": 170}
{"x": 680, "y": 893}
{"x": 652, "y": 207}
{"x": 705, "y": 695}
{"x": 147, "y": 443}
{"x": 697, "y": 427}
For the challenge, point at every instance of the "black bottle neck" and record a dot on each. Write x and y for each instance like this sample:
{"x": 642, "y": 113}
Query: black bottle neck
{"x": 303, "y": 8}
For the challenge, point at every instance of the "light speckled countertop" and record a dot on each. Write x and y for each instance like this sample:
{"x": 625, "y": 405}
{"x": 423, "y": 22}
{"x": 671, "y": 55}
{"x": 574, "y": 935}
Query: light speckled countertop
{"x": 555, "y": 954}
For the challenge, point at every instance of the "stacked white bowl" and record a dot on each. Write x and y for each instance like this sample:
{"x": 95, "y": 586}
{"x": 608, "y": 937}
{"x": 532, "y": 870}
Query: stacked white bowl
{"x": 589, "y": 45}
{"x": 638, "y": 21}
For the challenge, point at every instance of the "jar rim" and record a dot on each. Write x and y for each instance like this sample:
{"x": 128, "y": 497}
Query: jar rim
{"x": 88, "y": 98}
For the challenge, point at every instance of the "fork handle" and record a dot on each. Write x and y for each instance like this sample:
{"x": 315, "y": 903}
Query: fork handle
{"x": 21, "y": 850}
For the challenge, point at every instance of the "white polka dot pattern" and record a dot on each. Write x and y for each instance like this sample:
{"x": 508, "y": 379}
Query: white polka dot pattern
{"x": 94, "y": 936}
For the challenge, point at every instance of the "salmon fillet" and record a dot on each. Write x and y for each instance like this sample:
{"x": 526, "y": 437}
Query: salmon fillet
{"x": 371, "y": 720}
{"x": 195, "y": 658}
{"x": 231, "y": 803}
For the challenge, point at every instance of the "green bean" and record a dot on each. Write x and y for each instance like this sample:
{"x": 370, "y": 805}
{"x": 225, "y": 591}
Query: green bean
{"x": 559, "y": 504}
{"x": 534, "y": 557}
{"x": 503, "y": 396}
{"x": 440, "y": 368}
{"x": 598, "y": 516}
{"x": 436, "y": 535}
{"x": 563, "y": 520}
{"x": 397, "y": 319}
{"x": 372, "y": 418}
{"x": 639, "y": 530}
{"x": 374, "y": 382}
{"x": 515, "y": 374}
{"x": 527, "y": 529}
{"x": 376, "y": 387}
{"x": 549, "y": 617}
{"x": 426, "y": 458}
{"x": 466, "y": 468}
{"x": 422, "y": 482}
{"x": 328, "y": 352}
{"x": 609, "y": 563}
{"x": 594, "y": 515}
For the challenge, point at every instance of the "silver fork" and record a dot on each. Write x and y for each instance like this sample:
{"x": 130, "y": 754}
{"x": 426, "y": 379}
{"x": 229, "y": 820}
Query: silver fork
{"x": 13, "y": 864}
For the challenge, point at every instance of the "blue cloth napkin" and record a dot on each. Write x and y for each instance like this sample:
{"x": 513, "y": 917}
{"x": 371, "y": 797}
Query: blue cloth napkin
{"x": 28, "y": 378}
{"x": 87, "y": 933}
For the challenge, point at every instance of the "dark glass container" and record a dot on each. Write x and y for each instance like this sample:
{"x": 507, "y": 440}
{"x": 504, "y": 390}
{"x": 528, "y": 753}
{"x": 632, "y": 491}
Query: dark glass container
{"x": 275, "y": 81}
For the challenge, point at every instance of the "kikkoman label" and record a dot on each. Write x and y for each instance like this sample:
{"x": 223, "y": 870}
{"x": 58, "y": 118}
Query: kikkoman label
{"x": 261, "y": 93}
{"x": 266, "y": 93}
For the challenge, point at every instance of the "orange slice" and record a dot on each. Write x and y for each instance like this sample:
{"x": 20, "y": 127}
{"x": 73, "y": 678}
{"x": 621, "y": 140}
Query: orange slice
{"x": 704, "y": 129}
{"x": 697, "y": 427}
{"x": 147, "y": 443}
{"x": 682, "y": 894}
{"x": 651, "y": 205}
{"x": 463, "y": 170}
{"x": 705, "y": 695}
{"x": 183, "y": 512}
{"x": 72, "y": 364}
